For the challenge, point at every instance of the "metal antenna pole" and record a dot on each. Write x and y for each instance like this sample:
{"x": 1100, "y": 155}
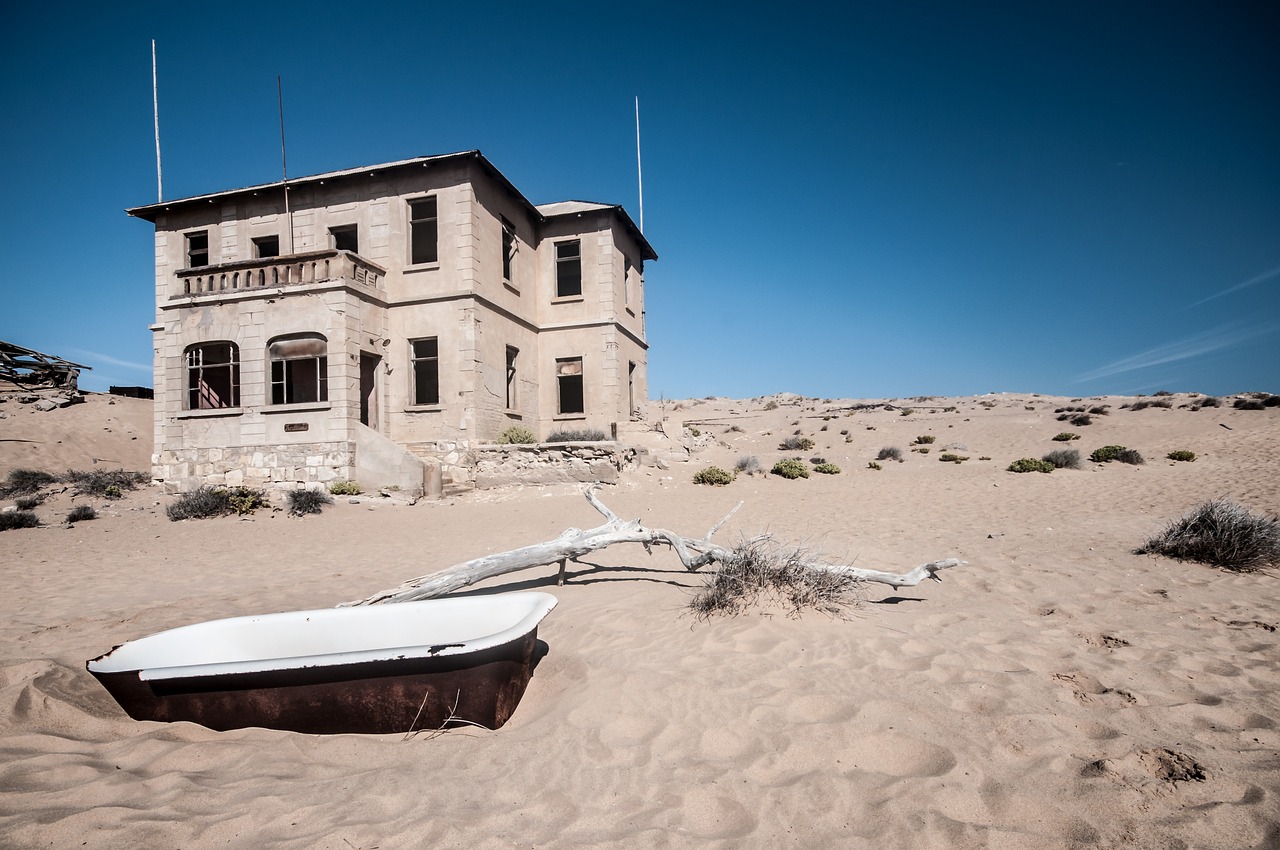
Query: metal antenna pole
{"x": 284, "y": 164}
{"x": 639, "y": 173}
{"x": 155, "y": 108}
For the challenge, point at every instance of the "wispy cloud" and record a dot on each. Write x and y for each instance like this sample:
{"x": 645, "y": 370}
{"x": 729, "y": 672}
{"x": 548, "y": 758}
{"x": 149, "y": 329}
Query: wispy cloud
{"x": 1253, "y": 281}
{"x": 81, "y": 354}
{"x": 1196, "y": 345}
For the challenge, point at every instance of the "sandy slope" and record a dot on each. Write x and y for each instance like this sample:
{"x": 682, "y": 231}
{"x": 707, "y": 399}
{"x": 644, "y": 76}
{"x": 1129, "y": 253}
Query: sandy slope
{"x": 1037, "y": 698}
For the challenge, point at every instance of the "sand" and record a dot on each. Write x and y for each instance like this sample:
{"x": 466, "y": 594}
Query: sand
{"x": 1056, "y": 691}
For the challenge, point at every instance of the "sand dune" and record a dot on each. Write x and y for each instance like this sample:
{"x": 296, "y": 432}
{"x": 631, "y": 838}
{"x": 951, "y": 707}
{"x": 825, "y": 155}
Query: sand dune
{"x": 1055, "y": 692}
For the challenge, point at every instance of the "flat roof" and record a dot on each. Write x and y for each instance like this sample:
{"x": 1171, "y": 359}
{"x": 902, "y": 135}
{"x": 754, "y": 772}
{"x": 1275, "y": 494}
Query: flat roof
{"x": 150, "y": 212}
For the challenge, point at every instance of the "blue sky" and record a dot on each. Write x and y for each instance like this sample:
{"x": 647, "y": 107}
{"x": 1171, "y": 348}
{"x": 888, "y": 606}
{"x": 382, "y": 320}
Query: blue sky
{"x": 890, "y": 200}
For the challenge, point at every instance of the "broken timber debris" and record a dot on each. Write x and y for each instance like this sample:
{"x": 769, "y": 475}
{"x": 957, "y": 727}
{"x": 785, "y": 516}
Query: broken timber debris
{"x": 573, "y": 543}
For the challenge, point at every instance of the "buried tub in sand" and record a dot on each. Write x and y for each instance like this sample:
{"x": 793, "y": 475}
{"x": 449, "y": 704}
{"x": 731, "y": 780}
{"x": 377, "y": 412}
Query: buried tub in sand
{"x": 374, "y": 669}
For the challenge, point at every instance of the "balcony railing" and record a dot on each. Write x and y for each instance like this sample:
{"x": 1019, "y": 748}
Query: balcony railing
{"x": 274, "y": 272}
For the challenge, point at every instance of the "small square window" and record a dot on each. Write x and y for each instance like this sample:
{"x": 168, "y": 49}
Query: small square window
{"x": 197, "y": 249}
{"x": 346, "y": 238}
{"x": 266, "y": 246}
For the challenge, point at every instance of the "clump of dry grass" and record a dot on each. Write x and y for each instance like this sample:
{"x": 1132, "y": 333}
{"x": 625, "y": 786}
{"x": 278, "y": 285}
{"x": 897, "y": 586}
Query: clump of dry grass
{"x": 761, "y": 573}
{"x": 1222, "y": 533}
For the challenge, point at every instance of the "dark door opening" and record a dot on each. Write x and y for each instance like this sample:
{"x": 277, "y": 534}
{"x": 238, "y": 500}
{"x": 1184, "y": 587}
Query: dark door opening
{"x": 369, "y": 389}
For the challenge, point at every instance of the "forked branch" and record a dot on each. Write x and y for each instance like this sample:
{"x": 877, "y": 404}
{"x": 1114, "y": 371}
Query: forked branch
{"x": 693, "y": 552}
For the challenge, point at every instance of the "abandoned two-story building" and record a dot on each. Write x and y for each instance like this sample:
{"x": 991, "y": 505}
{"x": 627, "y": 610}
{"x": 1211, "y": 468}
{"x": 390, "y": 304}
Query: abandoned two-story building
{"x": 374, "y": 323}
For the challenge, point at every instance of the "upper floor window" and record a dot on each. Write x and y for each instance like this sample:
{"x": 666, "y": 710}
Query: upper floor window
{"x": 626, "y": 282}
{"x": 213, "y": 376}
{"x": 346, "y": 238}
{"x": 508, "y": 249}
{"x": 568, "y": 269}
{"x": 426, "y": 371}
{"x": 569, "y": 389}
{"x": 299, "y": 369}
{"x": 424, "y": 232}
{"x": 197, "y": 249}
{"x": 266, "y": 246}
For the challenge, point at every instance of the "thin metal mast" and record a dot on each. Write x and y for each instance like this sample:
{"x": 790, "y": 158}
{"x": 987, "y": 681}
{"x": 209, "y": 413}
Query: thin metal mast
{"x": 639, "y": 173}
{"x": 155, "y": 108}
{"x": 284, "y": 164}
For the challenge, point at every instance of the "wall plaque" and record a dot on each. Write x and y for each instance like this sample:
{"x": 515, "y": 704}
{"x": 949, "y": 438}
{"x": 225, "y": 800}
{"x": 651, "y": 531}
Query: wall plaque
{"x": 295, "y": 426}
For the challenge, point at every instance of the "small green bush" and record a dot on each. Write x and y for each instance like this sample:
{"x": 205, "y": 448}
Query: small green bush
{"x": 827, "y": 469}
{"x": 694, "y": 432}
{"x": 246, "y": 500}
{"x": 1105, "y": 454}
{"x": 1063, "y": 458}
{"x": 924, "y": 450}
{"x": 81, "y": 513}
{"x": 344, "y": 488}
{"x": 1030, "y": 464}
{"x": 948, "y": 457}
{"x": 22, "y": 482}
{"x": 747, "y": 465}
{"x": 516, "y": 435}
{"x": 796, "y": 444}
{"x": 791, "y": 468}
{"x": 925, "y": 439}
{"x": 714, "y": 476}
{"x": 1222, "y": 533}
{"x": 581, "y": 435}
{"x": 1066, "y": 437}
{"x": 10, "y": 520}
{"x": 874, "y": 465}
{"x": 307, "y": 501}
{"x": 1181, "y": 454}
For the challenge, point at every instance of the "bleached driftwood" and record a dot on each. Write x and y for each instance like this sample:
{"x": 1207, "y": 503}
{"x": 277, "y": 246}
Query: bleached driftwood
{"x": 573, "y": 543}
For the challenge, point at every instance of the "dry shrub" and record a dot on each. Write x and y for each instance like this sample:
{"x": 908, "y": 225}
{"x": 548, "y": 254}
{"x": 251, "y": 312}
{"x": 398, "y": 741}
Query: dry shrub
{"x": 110, "y": 483}
{"x": 81, "y": 513}
{"x": 747, "y": 465}
{"x": 10, "y": 520}
{"x": 759, "y": 573}
{"x": 1222, "y": 533}
{"x": 22, "y": 482}
{"x": 1063, "y": 458}
{"x": 890, "y": 453}
{"x": 796, "y": 444}
{"x": 305, "y": 501}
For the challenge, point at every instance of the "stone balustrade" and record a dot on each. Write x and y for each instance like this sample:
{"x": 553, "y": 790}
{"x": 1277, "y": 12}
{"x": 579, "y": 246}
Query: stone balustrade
{"x": 274, "y": 272}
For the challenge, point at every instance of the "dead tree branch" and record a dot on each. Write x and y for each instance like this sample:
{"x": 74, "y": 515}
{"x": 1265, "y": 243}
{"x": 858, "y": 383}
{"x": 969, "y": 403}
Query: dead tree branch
{"x": 574, "y": 543}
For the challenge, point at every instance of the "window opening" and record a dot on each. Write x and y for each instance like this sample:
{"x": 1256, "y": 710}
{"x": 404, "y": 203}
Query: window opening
{"x": 424, "y": 231}
{"x": 266, "y": 246}
{"x": 512, "y": 400}
{"x": 569, "y": 385}
{"x": 197, "y": 249}
{"x": 426, "y": 371}
{"x": 213, "y": 376}
{"x": 568, "y": 269}
{"x": 299, "y": 369}
{"x": 346, "y": 238}
{"x": 626, "y": 282}
{"x": 508, "y": 248}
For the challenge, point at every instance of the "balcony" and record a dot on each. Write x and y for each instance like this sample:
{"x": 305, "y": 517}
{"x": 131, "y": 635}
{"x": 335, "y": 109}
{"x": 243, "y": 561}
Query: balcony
{"x": 291, "y": 270}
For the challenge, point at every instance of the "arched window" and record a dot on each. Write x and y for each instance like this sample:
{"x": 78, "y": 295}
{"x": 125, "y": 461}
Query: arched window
{"x": 299, "y": 368}
{"x": 213, "y": 375}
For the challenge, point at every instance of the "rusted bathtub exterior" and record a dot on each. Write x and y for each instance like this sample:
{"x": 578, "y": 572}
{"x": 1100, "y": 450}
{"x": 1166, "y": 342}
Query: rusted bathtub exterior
{"x": 478, "y": 678}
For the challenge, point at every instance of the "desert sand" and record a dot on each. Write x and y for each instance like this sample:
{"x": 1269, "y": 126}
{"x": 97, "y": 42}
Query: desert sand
{"x": 1056, "y": 691}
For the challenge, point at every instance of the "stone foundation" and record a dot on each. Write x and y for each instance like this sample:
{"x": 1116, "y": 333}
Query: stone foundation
{"x": 254, "y": 466}
{"x": 550, "y": 463}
